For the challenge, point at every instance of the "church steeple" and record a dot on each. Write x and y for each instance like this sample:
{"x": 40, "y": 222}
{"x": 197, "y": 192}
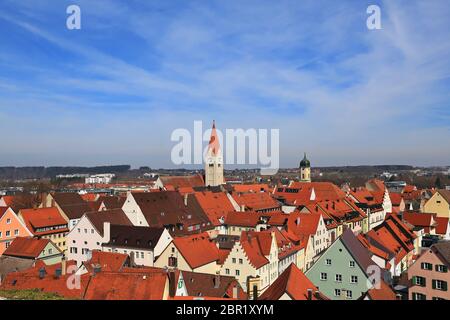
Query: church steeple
{"x": 214, "y": 160}
{"x": 305, "y": 169}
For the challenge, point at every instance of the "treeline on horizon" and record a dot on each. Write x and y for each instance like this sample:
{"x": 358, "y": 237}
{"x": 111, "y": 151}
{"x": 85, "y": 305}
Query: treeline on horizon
{"x": 17, "y": 173}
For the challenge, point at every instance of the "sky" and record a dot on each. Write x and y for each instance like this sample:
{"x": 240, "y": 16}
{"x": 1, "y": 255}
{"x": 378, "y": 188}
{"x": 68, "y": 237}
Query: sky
{"x": 115, "y": 90}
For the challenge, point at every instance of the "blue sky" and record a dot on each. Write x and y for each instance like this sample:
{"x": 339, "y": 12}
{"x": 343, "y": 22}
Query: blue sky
{"x": 114, "y": 91}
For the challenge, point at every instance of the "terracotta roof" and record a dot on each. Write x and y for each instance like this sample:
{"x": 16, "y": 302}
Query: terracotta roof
{"x": 256, "y": 246}
{"x": 114, "y": 216}
{"x": 197, "y": 249}
{"x": 245, "y": 188}
{"x": 210, "y": 285}
{"x": 384, "y": 292}
{"x": 182, "y": 181}
{"x": 396, "y": 198}
{"x": 168, "y": 208}
{"x": 214, "y": 204}
{"x": 419, "y": 219}
{"x": 26, "y": 247}
{"x": 252, "y": 218}
{"x": 301, "y": 193}
{"x": 294, "y": 283}
{"x": 2, "y": 211}
{"x": 303, "y": 223}
{"x": 256, "y": 201}
{"x": 442, "y": 225}
{"x": 107, "y": 261}
{"x": 29, "y": 279}
{"x": 127, "y": 286}
{"x": 43, "y": 218}
{"x": 19, "y": 201}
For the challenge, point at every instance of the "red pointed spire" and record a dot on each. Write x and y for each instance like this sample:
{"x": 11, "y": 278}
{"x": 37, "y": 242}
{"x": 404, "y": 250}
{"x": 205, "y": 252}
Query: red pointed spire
{"x": 214, "y": 140}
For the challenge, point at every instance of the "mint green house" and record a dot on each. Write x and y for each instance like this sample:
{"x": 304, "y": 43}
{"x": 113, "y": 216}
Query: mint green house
{"x": 34, "y": 249}
{"x": 342, "y": 271}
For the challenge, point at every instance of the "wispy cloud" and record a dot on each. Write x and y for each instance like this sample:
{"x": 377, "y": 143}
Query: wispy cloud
{"x": 137, "y": 70}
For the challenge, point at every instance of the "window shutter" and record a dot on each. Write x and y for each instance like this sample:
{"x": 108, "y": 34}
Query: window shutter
{"x": 434, "y": 284}
{"x": 424, "y": 282}
{"x": 444, "y": 285}
{"x": 413, "y": 280}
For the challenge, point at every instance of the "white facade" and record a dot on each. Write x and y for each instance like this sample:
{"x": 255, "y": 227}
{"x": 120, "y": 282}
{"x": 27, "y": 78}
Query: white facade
{"x": 100, "y": 178}
{"x": 140, "y": 256}
{"x": 84, "y": 238}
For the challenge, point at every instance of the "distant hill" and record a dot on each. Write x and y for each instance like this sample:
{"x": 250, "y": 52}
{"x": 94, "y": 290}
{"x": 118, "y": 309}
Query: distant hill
{"x": 18, "y": 173}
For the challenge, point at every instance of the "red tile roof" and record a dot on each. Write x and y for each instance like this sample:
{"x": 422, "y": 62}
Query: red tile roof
{"x": 26, "y": 247}
{"x": 197, "y": 249}
{"x": 245, "y": 188}
{"x": 294, "y": 283}
{"x": 43, "y": 218}
{"x": 442, "y": 225}
{"x": 301, "y": 193}
{"x": 107, "y": 261}
{"x": 215, "y": 204}
{"x": 127, "y": 286}
{"x": 256, "y": 246}
{"x": 384, "y": 292}
{"x": 256, "y": 201}
{"x": 182, "y": 181}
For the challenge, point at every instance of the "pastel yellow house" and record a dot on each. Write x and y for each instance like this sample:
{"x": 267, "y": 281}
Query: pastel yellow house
{"x": 195, "y": 253}
{"x": 253, "y": 261}
{"x": 439, "y": 204}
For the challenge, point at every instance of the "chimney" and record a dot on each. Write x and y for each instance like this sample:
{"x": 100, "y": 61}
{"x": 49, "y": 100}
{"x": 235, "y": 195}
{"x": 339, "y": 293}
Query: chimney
{"x": 243, "y": 208}
{"x": 97, "y": 269}
{"x": 186, "y": 200}
{"x": 106, "y": 232}
{"x": 172, "y": 284}
{"x": 310, "y": 294}
{"x": 217, "y": 281}
{"x": 42, "y": 273}
{"x": 317, "y": 294}
{"x": 235, "y": 292}
{"x": 297, "y": 221}
{"x": 333, "y": 205}
{"x": 63, "y": 266}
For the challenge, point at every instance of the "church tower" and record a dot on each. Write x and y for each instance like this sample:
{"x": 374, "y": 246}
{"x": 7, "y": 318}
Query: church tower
{"x": 305, "y": 170}
{"x": 214, "y": 161}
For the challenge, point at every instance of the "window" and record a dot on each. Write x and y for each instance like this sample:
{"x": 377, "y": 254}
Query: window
{"x": 234, "y": 260}
{"x": 337, "y": 292}
{"x": 7, "y": 243}
{"x": 440, "y": 285}
{"x": 338, "y": 278}
{"x": 354, "y": 279}
{"x": 441, "y": 268}
{"x": 426, "y": 266}
{"x": 172, "y": 262}
{"x": 352, "y": 264}
{"x": 79, "y": 230}
{"x": 85, "y": 230}
{"x": 50, "y": 251}
{"x": 349, "y": 294}
{"x": 328, "y": 262}
{"x": 8, "y": 233}
{"x": 0, "y": 234}
{"x": 419, "y": 281}
{"x": 418, "y": 296}
{"x": 238, "y": 272}
{"x": 241, "y": 261}
{"x": 142, "y": 255}
{"x": 92, "y": 231}
{"x": 323, "y": 276}
{"x": 8, "y": 221}
{"x": 227, "y": 271}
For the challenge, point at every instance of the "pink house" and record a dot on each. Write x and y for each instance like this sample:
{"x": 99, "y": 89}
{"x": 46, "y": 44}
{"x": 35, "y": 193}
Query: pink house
{"x": 10, "y": 228}
{"x": 429, "y": 275}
